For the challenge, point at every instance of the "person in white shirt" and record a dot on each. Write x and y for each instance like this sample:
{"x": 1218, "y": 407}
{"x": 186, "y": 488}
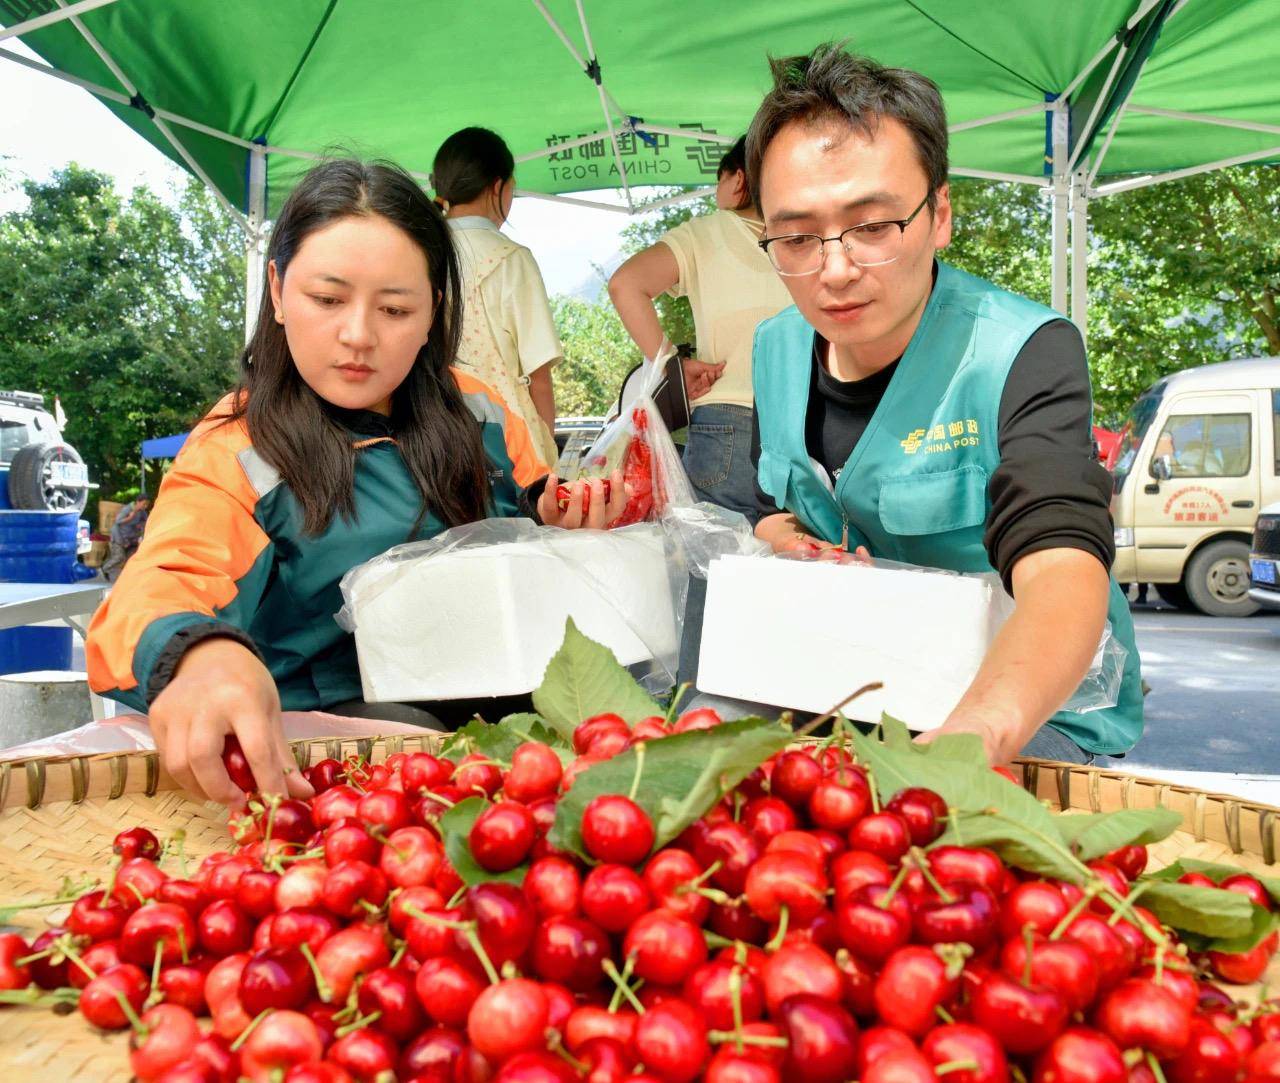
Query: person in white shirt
{"x": 716, "y": 261}
{"x": 509, "y": 338}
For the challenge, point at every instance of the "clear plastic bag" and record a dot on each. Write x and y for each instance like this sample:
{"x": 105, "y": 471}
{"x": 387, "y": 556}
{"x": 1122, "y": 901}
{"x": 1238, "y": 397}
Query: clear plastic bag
{"x": 499, "y": 614}
{"x": 637, "y": 443}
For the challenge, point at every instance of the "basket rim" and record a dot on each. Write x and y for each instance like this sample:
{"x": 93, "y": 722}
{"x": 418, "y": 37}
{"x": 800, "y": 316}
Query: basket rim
{"x": 35, "y": 768}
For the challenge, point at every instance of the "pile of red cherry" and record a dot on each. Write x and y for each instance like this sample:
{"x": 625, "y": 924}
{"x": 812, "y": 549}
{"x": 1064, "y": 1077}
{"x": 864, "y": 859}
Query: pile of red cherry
{"x": 797, "y": 931}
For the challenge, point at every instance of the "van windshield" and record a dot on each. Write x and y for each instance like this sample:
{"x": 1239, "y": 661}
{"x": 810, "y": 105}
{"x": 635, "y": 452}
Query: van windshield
{"x": 1141, "y": 415}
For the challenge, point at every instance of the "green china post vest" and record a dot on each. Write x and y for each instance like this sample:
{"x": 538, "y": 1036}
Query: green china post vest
{"x": 915, "y": 487}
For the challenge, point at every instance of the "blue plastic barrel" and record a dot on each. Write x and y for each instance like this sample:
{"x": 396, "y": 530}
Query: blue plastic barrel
{"x": 38, "y": 547}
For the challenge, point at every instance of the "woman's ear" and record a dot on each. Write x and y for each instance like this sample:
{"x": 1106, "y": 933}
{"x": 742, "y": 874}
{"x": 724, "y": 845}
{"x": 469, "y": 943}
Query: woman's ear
{"x": 277, "y": 290}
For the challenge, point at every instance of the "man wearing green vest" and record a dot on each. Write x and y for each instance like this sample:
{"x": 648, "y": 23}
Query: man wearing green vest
{"x": 924, "y": 414}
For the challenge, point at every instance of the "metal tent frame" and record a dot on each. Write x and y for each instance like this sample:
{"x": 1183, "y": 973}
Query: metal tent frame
{"x": 1073, "y": 162}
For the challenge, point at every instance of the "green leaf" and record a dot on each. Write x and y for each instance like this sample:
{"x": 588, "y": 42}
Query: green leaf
{"x": 1025, "y": 846}
{"x": 499, "y": 740}
{"x": 964, "y": 747}
{"x": 1208, "y": 911}
{"x": 584, "y": 679}
{"x": 1265, "y": 922}
{"x": 1217, "y": 873}
{"x": 681, "y": 777}
{"x": 455, "y": 827}
{"x": 1097, "y": 834}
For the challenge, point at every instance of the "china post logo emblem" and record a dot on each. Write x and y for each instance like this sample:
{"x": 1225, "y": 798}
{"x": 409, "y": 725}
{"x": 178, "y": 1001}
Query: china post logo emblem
{"x": 944, "y": 437}
{"x": 913, "y": 442}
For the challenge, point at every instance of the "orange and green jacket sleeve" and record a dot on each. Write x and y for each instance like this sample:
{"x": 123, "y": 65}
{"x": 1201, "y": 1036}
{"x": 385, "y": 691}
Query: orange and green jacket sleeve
{"x": 201, "y": 568}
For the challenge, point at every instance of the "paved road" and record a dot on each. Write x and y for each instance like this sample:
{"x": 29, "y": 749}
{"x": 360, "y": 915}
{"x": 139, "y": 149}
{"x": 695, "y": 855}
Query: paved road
{"x": 1215, "y": 692}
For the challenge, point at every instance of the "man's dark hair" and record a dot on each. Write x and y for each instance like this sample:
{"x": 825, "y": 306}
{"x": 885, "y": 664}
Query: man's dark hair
{"x": 735, "y": 161}
{"x": 833, "y": 85}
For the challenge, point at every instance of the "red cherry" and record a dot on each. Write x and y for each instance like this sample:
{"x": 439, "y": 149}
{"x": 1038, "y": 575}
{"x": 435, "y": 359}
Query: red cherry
{"x": 237, "y": 764}
{"x": 590, "y": 729}
{"x": 278, "y": 978}
{"x": 411, "y": 857}
{"x": 447, "y": 990}
{"x": 872, "y": 923}
{"x": 501, "y": 836}
{"x": 668, "y": 876}
{"x": 960, "y": 1042}
{"x": 665, "y": 947}
{"x": 165, "y": 926}
{"x": 1061, "y": 965}
{"x": 822, "y": 1037}
{"x": 1244, "y": 967}
{"x": 553, "y": 887}
{"x": 1130, "y": 860}
{"x": 1247, "y": 886}
{"x": 1081, "y": 1055}
{"x": 570, "y": 950}
{"x": 614, "y": 896}
{"x": 699, "y": 718}
{"x": 671, "y": 1041}
{"x": 912, "y": 984}
{"x": 170, "y": 1032}
{"x": 709, "y": 989}
{"x": 224, "y": 928}
{"x": 1023, "y": 1018}
{"x": 421, "y": 772}
{"x": 390, "y": 992}
{"x": 1037, "y": 904}
{"x": 885, "y": 834}
{"x": 838, "y": 805}
{"x": 508, "y": 1018}
{"x": 795, "y": 775}
{"x": 1141, "y": 1013}
{"x": 800, "y": 968}
{"x": 535, "y": 773}
{"x": 136, "y": 842}
{"x": 99, "y": 1000}
{"x": 968, "y": 916}
{"x": 786, "y": 879}
{"x": 617, "y": 830}
{"x": 504, "y": 920}
{"x": 924, "y": 811}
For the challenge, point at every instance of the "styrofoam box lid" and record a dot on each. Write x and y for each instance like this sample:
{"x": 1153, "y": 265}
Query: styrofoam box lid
{"x": 804, "y": 634}
{"x": 485, "y": 621}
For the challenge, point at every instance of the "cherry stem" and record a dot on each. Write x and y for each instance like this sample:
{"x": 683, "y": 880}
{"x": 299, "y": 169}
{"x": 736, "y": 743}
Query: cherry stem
{"x": 957, "y": 1066}
{"x": 1071, "y": 915}
{"x": 784, "y": 916}
{"x": 772, "y": 1041}
{"x": 130, "y": 1014}
{"x": 635, "y": 781}
{"x": 182, "y": 945}
{"x": 358, "y": 1024}
{"x": 875, "y": 794}
{"x": 896, "y": 886}
{"x": 675, "y": 704}
{"x": 35, "y": 956}
{"x": 432, "y": 919}
{"x": 616, "y": 1002}
{"x": 805, "y": 730}
{"x": 456, "y": 897}
{"x": 323, "y": 990}
{"x": 735, "y": 998}
{"x": 623, "y": 987}
{"x": 1156, "y": 1070}
{"x": 400, "y": 951}
{"x": 177, "y": 844}
{"x": 34, "y": 996}
{"x": 64, "y": 946}
{"x": 945, "y": 1016}
{"x": 1125, "y": 905}
{"x": 715, "y": 940}
{"x": 253, "y": 1023}
{"x": 556, "y": 1045}
{"x": 157, "y": 994}
{"x": 473, "y": 939}
{"x": 921, "y": 860}
{"x": 1028, "y": 942}
{"x": 701, "y": 878}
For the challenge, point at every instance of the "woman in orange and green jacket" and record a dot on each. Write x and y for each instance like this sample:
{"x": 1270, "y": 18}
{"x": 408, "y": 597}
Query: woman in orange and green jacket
{"x": 349, "y": 433}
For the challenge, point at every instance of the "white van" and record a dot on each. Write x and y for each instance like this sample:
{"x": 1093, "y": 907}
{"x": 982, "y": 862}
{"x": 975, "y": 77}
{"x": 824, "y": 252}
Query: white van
{"x": 1199, "y": 454}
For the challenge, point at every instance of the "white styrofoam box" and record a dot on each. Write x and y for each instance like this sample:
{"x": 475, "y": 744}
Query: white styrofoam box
{"x": 485, "y": 621}
{"x": 804, "y": 634}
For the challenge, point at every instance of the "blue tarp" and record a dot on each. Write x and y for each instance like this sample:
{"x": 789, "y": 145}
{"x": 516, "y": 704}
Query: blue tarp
{"x": 163, "y": 447}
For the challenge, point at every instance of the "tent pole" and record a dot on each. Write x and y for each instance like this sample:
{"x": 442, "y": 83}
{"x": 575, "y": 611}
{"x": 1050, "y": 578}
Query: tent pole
{"x": 605, "y": 101}
{"x": 140, "y": 102}
{"x": 253, "y": 266}
{"x": 1059, "y": 128}
{"x": 591, "y": 204}
{"x": 1080, "y": 252}
{"x": 1178, "y": 174}
{"x": 987, "y": 174}
{"x": 996, "y": 118}
{"x": 1205, "y": 118}
{"x": 40, "y": 21}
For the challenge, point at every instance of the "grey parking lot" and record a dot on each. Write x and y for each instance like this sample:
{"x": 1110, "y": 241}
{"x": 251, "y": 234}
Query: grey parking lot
{"x": 1215, "y": 692}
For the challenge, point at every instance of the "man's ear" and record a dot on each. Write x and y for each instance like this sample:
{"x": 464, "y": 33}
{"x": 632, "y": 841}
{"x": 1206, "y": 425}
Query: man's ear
{"x": 942, "y": 217}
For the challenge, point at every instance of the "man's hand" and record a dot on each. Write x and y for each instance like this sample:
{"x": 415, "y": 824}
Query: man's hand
{"x": 220, "y": 688}
{"x": 1000, "y": 745}
{"x": 699, "y": 376}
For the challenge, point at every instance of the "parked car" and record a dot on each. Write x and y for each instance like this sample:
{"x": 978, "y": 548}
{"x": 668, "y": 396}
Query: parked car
{"x": 1199, "y": 454}
{"x": 38, "y": 470}
{"x": 1264, "y": 559}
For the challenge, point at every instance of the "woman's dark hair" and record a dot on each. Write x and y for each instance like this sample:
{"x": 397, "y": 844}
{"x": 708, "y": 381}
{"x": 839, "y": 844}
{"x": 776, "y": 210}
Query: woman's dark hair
{"x": 468, "y": 162}
{"x": 438, "y": 437}
{"x": 735, "y": 161}
{"x": 831, "y": 84}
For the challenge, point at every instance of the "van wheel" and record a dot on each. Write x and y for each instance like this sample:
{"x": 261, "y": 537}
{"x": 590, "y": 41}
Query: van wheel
{"x": 1173, "y": 593}
{"x": 34, "y": 483}
{"x": 1217, "y": 580}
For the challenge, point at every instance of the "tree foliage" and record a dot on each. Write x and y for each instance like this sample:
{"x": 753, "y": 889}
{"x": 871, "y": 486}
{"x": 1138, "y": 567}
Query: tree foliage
{"x": 131, "y": 311}
{"x": 1181, "y": 273}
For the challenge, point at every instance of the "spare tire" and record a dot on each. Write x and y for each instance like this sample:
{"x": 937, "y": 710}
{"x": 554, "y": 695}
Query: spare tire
{"x": 36, "y": 481}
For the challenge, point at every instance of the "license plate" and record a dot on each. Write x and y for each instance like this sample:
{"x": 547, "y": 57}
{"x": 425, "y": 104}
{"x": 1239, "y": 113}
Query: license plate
{"x": 1263, "y": 571}
{"x": 68, "y": 473}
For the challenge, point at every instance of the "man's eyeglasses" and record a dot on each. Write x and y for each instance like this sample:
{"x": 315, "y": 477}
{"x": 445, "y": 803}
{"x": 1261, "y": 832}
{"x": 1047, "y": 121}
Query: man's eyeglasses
{"x": 870, "y": 244}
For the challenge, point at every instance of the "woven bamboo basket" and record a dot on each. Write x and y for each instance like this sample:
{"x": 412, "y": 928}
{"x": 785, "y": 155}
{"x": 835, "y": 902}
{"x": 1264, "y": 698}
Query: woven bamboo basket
{"x": 58, "y": 817}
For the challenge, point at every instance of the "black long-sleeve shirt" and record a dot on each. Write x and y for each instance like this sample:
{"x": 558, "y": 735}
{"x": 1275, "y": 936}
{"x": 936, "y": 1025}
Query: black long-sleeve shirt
{"x": 1048, "y": 491}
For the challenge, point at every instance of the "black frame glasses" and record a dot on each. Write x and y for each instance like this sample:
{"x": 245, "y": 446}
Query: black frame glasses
{"x": 860, "y": 228}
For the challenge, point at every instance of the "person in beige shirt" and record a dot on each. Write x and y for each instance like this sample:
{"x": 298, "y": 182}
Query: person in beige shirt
{"x": 509, "y": 338}
{"x": 716, "y": 261}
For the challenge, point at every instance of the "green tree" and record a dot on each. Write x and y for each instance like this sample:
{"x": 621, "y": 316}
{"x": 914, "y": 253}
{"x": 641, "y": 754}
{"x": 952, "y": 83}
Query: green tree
{"x": 129, "y": 310}
{"x": 1181, "y": 274}
{"x": 598, "y": 354}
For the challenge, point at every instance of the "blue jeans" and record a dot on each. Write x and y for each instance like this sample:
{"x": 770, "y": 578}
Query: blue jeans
{"x": 717, "y": 457}
{"x": 1051, "y": 744}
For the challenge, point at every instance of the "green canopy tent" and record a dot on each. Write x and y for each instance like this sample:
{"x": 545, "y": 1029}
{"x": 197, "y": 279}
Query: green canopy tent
{"x": 1084, "y": 100}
